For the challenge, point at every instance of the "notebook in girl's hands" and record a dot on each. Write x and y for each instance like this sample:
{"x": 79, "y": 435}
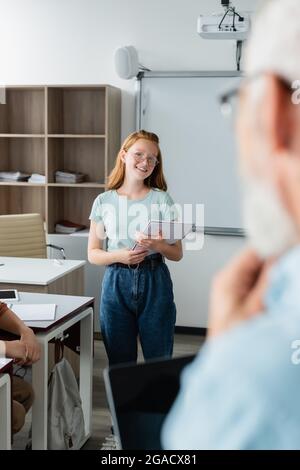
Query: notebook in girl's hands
{"x": 170, "y": 231}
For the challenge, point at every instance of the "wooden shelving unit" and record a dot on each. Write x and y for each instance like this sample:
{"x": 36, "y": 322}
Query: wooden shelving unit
{"x": 49, "y": 128}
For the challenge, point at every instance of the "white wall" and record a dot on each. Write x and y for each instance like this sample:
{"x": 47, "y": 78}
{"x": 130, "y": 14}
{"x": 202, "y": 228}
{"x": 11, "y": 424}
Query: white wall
{"x": 72, "y": 42}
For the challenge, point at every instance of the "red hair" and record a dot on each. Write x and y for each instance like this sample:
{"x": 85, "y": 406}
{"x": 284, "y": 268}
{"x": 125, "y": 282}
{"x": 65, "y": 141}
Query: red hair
{"x": 117, "y": 175}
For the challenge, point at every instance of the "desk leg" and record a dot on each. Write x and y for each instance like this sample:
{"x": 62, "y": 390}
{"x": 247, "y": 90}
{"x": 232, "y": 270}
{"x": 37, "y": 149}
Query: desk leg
{"x": 5, "y": 412}
{"x": 40, "y": 404}
{"x": 86, "y": 369}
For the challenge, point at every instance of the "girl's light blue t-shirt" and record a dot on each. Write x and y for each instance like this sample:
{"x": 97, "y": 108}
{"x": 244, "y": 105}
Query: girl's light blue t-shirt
{"x": 122, "y": 217}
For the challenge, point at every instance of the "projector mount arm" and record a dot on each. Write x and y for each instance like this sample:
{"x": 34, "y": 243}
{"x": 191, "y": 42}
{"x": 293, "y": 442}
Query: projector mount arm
{"x": 239, "y": 45}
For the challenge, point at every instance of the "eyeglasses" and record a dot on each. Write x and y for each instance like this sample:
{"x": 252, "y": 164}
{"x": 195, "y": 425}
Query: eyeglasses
{"x": 140, "y": 156}
{"x": 229, "y": 99}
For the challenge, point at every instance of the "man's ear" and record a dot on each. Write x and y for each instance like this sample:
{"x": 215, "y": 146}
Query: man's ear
{"x": 286, "y": 177}
{"x": 278, "y": 122}
{"x": 281, "y": 122}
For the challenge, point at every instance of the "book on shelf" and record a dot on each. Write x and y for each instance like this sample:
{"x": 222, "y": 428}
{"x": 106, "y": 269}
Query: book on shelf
{"x": 68, "y": 227}
{"x": 13, "y": 176}
{"x": 68, "y": 177}
{"x": 37, "y": 178}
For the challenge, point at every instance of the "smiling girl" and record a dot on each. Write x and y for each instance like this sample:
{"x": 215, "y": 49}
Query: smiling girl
{"x": 137, "y": 293}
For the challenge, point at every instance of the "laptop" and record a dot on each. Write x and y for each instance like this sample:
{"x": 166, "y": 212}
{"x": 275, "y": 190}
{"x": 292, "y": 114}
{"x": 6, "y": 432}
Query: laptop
{"x": 140, "y": 397}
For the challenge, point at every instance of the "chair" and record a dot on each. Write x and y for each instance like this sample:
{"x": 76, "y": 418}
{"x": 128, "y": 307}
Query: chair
{"x": 23, "y": 236}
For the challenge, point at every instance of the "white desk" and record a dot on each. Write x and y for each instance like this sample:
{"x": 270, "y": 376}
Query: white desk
{"x": 42, "y": 275}
{"x": 70, "y": 310}
{"x": 5, "y": 404}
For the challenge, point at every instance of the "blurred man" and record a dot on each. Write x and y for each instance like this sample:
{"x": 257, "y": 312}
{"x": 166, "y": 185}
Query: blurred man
{"x": 242, "y": 391}
{"x": 25, "y": 351}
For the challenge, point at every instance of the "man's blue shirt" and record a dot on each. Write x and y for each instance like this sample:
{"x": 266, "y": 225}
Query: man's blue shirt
{"x": 243, "y": 389}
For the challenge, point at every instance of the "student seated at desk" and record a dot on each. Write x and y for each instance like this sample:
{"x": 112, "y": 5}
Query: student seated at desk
{"x": 25, "y": 351}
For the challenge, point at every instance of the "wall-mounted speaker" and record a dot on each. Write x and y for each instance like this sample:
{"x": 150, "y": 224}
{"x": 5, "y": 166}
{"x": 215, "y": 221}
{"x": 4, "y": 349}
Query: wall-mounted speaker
{"x": 126, "y": 62}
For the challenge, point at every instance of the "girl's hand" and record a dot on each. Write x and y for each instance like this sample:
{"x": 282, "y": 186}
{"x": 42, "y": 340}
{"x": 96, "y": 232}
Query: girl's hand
{"x": 153, "y": 244}
{"x": 33, "y": 348}
{"x": 16, "y": 350}
{"x": 127, "y": 256}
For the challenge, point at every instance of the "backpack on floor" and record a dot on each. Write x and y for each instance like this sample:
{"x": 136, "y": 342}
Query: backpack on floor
{"x": 66, "y": 428}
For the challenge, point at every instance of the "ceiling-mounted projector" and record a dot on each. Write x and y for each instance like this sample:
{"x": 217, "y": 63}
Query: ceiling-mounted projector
{"x": 228, "y": 25}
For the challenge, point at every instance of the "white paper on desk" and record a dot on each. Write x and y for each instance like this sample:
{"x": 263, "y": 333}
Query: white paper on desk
{"x": 35, "y": 312}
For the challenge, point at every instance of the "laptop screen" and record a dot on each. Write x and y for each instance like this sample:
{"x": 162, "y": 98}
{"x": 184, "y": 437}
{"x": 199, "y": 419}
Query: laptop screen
{"x": 140, "y": 396}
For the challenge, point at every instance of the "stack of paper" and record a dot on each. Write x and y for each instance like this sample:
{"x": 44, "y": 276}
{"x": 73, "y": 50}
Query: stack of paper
{"x": 67, "y": 227}
{"x": 13, "y": 176}
{"x": 34, "y": 312}
{"x": 65, "y": 176}
{"x": 37, "y": 178}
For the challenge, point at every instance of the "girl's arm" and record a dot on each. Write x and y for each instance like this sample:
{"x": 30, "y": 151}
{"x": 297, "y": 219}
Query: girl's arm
{"x": 96, "y": 254}
{"x": 16, "y": 350}
{"x": 172, "y": 252}
{"x": 11, "y": 323}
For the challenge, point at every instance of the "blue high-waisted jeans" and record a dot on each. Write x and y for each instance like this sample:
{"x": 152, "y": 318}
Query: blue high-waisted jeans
{"x": 137, "y": 302}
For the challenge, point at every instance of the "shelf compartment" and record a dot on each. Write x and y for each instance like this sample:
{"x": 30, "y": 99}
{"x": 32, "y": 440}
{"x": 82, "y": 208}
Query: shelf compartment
{"x": 76, "y": 110}
{"x": 77, "y": 185}
{"x": 74, "y": 136}
{"x": 23, "y": 112}
{"x": 79, "y": 155}
{"x": 26, "y": 155}
{"x": 22, "y": 200}
{"x": 70, "y": 204}
{"x": 23, "y": 136}
{"x": 22, "y": 183}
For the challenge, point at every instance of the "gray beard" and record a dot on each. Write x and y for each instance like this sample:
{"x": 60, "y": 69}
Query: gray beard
{"x": 269, "y": 227}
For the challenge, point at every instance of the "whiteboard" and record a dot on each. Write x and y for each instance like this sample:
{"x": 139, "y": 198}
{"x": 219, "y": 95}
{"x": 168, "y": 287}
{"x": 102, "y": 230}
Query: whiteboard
{"x": 197, "y": 142}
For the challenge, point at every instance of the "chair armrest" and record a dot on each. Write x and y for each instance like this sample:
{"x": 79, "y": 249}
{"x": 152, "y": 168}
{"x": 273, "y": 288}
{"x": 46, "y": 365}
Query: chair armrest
{"x": 59, "y": 248}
